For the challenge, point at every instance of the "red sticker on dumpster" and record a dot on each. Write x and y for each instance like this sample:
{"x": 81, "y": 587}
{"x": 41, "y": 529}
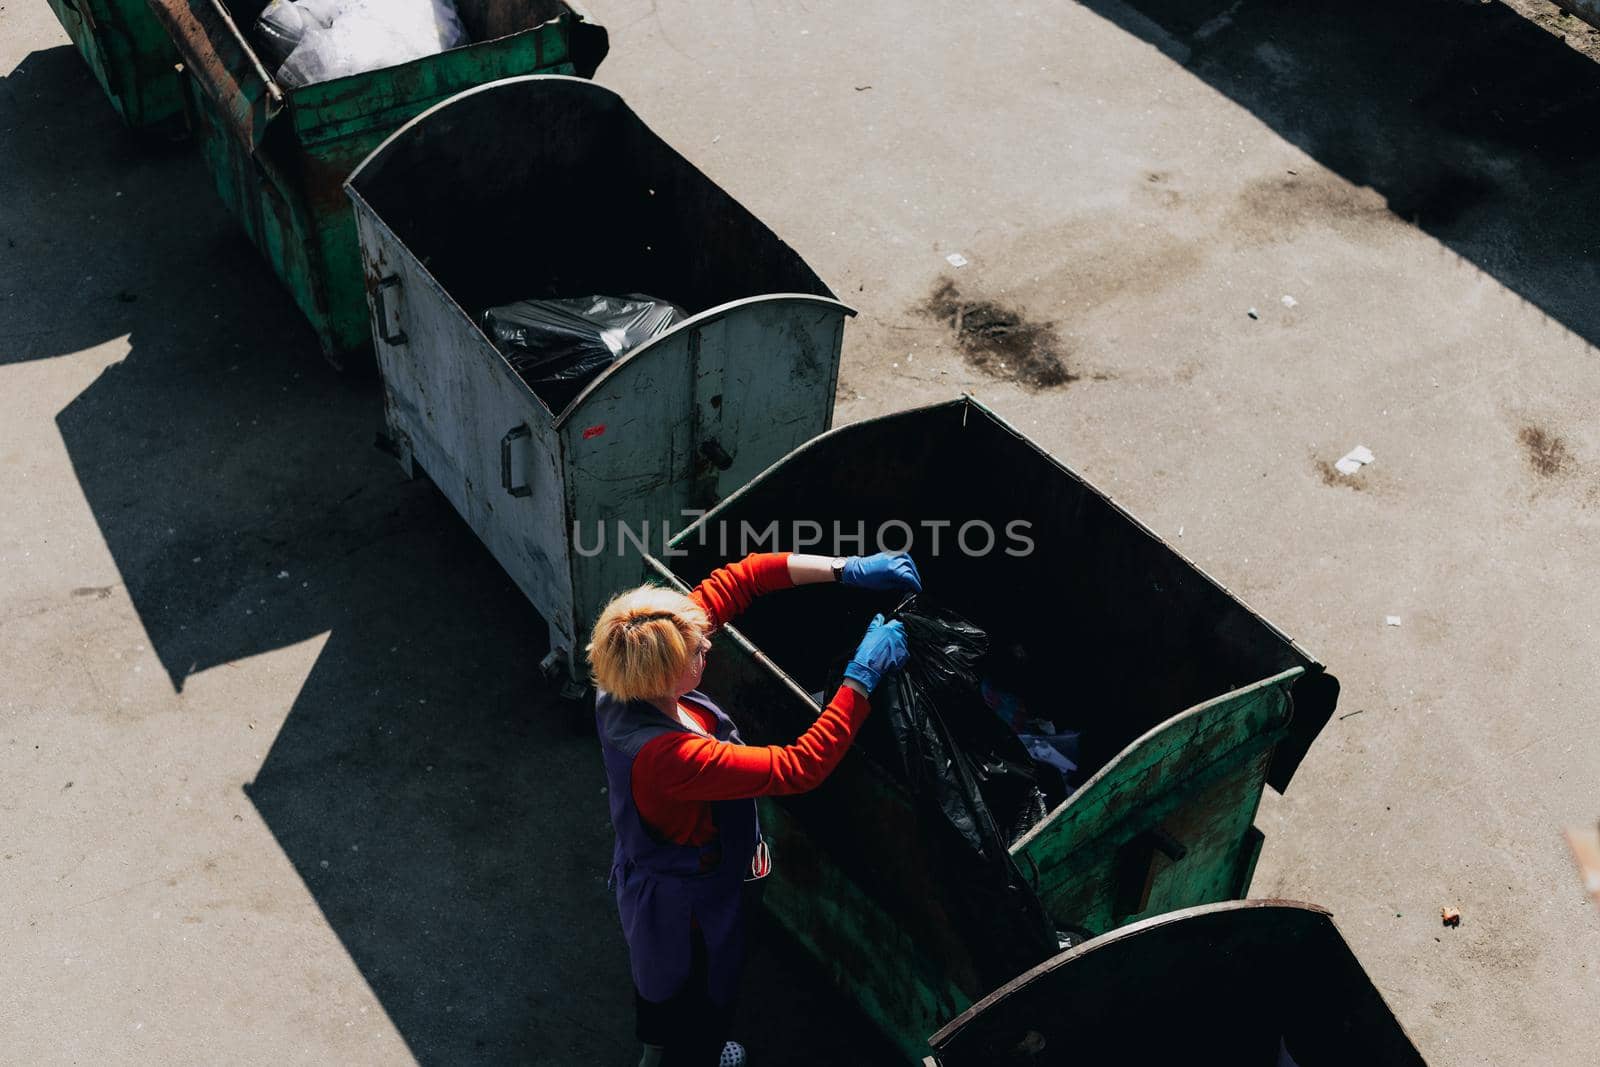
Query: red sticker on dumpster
{"x": 594, "y": 431}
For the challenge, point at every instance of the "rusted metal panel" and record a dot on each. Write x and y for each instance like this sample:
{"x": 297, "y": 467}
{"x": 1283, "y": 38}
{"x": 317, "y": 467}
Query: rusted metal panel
{"x": 1243, "y": 982}
{"x": 223, "y": 64}
{"x": 1182, "y": 692}
{"x": 584, "y": 198}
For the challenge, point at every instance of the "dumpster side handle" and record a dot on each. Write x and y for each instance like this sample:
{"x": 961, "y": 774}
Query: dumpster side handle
{"x": 388, "y": 309}
{"x": 513, "y": 434}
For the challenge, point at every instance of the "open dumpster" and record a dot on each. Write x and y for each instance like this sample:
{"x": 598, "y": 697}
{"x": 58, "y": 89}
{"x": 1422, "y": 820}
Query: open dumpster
{"x": 129, "y": 53}
{"x": 552, "y": 186}
{"x": 1254, "y": 983}
{"x": 279, "y": 155}
{"x": 1186, "y": 702}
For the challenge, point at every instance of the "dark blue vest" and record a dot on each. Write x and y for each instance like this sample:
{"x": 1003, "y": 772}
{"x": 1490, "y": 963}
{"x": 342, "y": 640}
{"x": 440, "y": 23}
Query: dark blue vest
{"x": 663, "y": 888}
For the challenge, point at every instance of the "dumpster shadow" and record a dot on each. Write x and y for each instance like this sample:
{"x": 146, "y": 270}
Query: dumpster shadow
{"x": 1475, "y": 125}
{"x": 444, "y": 817}
{"x": 58, "y": 194}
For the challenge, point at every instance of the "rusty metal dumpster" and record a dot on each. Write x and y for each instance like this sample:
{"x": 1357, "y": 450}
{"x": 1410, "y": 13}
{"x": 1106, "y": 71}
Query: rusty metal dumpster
{"x": 278, "y": 155}
{"x": 129, "y": 53}
{"x": 1188, "y": 702}
{"x": 552, "y": 185}
{"x": 1255, "y": 983}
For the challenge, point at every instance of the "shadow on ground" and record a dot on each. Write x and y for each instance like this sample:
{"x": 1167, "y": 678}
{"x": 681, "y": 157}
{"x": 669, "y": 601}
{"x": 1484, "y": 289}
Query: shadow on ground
{"x": 1474, "y": 124}
{"x": 440, "y": 808}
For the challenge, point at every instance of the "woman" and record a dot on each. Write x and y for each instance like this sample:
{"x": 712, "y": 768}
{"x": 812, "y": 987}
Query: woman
{"x": 682, "y": 785}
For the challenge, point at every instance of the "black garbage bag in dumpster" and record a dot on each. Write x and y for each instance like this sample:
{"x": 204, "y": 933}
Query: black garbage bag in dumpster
{"x": 558, "y": 346}
{"x": 972, "y": 778}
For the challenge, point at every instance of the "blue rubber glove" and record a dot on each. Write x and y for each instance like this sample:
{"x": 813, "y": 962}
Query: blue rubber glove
{"x": 882, "y": 651}
{"x": 885, "y": 570}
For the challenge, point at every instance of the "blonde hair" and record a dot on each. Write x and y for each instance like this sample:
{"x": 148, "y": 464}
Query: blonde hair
{"x": 644, "y": 640}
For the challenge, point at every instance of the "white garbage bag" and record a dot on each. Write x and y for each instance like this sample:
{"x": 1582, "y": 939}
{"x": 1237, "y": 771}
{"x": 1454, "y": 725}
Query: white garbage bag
{"x": 319, "y": 40}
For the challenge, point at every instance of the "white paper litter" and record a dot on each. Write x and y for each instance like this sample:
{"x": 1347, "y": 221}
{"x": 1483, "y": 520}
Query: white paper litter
{"x": 1289, "y": 301}
{"x": 956, "y": 259}
{"x": 1354, "y": 460}
{"x": 1391, "y": 620}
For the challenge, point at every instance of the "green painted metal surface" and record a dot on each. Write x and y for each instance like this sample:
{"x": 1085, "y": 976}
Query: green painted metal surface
{"x": 131, "y": 57}
{"x": 1166, "y": 824}
{"x": 1187, "y": 699}
{"x": 279, "y": 156}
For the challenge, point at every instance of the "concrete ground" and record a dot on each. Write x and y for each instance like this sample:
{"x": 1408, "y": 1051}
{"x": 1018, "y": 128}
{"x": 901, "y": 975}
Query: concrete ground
{"x": 277, "y": 780}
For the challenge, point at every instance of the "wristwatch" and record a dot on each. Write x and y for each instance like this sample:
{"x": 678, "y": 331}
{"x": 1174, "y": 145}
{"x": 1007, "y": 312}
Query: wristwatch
{"x": 838, "y": 568}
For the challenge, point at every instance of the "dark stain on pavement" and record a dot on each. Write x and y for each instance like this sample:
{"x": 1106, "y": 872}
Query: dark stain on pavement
{"x": 1330, "y": 476}
{"x": 999, "y": 341}
{"x": 1546, "y": 453}
{"x": 99, "y": 592}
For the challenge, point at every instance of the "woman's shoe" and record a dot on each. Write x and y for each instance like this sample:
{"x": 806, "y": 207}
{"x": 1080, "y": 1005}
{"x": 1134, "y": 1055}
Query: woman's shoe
{"x": 732, "y": 1055}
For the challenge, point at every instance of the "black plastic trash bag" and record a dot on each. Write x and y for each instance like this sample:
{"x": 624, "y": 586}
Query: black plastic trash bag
{"x": 974, "y": 781}
{"x": 558, "y": 346}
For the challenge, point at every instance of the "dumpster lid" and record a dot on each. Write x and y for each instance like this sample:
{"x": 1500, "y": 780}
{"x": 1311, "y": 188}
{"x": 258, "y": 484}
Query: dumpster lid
{"x": 1216, "y": 983}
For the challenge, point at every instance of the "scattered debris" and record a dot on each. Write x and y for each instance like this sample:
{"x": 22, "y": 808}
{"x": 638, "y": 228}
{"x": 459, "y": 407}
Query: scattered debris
{"x": 1351, "y": 714}
{"x": 282, "y": 575}
{"x": 1253, "y": 313}
{"x": 1450, "y": 916}
{"x": 1353, "y": 460}
{"x": 1391, "y": 620}
{"x": 1289, "y": 301}
{"x": 862, "y": 88}
{"x": 1546, "y": 452}
{"x": 1180, "y": 531}
{"x": 956, "y": 259}
{"x": 999, "y": 341}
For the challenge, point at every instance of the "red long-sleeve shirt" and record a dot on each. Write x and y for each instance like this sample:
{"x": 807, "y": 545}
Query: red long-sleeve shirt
{"x": 676, "y": 776}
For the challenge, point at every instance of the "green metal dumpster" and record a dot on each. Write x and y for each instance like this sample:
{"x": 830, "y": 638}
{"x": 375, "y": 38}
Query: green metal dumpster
{"x": 1188, "y": 702}
{"x": 551, "y": 186}
{"x": 1254, "y": 983}
{"x": 279, "y": 156}
{"x": 131, "y": 57}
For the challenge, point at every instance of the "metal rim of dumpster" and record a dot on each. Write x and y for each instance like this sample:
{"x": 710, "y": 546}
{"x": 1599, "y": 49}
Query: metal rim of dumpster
{"x": 1109, "y": 941}
{"x": 1213, "y": 929}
